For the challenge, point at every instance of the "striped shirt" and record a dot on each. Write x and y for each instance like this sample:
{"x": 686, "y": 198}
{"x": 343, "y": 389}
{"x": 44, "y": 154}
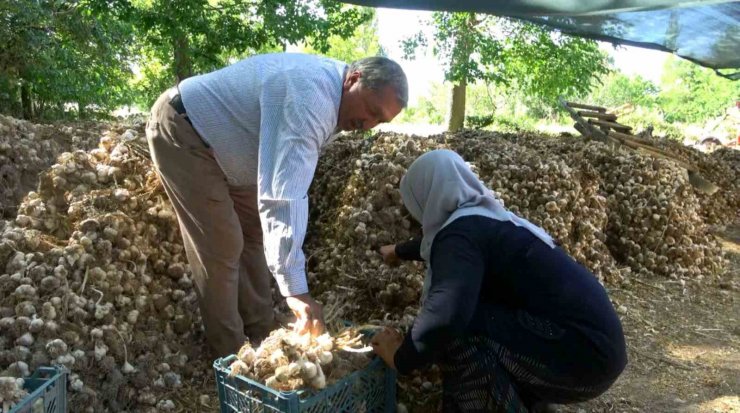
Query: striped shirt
{"x": 266, "y": 119}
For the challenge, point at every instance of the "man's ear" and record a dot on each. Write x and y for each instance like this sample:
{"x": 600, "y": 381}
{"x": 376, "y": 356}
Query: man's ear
{"x": 351, "y": 79}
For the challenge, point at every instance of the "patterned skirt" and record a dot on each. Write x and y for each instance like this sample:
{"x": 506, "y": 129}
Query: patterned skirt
{"x": 481, "y": 374}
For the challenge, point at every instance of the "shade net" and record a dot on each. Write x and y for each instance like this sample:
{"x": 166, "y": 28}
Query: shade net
{"x": 707, "y": 33}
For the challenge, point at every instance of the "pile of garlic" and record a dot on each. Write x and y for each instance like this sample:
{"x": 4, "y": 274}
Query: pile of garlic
{"x": 356, "y": 207}
{"x": 617, "y": 212}
{"x": 655, "y": 224}
{"x": 26, "y": 149}
{"x": 94, "y": 278}
{"x": 717, "y": 208}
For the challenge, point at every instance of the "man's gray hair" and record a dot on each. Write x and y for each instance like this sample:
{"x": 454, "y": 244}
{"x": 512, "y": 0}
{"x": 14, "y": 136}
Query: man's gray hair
{"x": 378, "y": 72}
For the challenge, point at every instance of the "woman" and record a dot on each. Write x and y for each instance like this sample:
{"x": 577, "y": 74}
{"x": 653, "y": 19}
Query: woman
{"x": 512, "y": 321}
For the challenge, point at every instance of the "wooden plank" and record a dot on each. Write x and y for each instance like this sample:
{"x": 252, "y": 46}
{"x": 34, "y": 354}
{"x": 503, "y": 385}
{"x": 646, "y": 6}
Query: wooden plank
{"x": 587, "y": 107}
{"x": 614, "y": 125}
{"x": 598, "y": 115}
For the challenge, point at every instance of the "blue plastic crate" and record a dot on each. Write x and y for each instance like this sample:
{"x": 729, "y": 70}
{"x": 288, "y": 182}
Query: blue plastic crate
{"x": 371, "y": 390}
{"x": 47, "y": 389}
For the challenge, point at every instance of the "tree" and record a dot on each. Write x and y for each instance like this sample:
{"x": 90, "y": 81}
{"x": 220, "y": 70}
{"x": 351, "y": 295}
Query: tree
{"x": 61, "y": 52}
{"x": 57, "y": 52}
{"x": 509, "y": 53}
{"x": 690, "y": 93}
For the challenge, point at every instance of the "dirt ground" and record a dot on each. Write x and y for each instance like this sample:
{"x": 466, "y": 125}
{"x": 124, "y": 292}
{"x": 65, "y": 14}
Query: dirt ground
{"x": 684, "y": 343}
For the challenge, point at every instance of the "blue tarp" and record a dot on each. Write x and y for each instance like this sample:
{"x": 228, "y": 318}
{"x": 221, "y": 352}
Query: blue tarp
{"x": 705, "y": 32}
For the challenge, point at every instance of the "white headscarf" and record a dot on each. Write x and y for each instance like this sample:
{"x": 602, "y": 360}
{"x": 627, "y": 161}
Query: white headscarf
{"x": 439, "y": 188}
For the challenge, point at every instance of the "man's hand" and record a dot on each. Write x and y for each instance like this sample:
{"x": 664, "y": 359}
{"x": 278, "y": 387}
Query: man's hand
{"x": 389, "y": 255}
{"x": 385, "y": 343}
{"x": 309, "y": 314}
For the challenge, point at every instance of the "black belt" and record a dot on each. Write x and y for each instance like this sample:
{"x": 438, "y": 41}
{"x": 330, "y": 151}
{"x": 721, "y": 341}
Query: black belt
{"x": 176, "y": 103}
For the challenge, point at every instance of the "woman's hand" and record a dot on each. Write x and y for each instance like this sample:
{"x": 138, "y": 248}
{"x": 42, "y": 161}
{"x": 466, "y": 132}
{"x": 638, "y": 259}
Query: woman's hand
{"x": 385, "y": 343}
{"x": 389, "y": 255}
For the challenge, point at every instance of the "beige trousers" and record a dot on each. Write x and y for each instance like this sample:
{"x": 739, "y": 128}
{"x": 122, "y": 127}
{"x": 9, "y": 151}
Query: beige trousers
{"x": 220, "y": 229}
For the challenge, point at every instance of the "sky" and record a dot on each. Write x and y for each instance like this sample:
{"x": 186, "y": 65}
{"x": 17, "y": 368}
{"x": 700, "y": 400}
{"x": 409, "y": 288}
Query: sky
{"x": 396, "y": 25}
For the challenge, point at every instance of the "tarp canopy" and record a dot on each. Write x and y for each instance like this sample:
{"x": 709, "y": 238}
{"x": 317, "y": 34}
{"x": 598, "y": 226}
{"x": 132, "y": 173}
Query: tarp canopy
{"x": 705, "y": 32}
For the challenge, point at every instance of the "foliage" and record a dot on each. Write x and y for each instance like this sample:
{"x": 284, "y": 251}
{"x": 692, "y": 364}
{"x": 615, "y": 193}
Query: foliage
{"x": 197, "y": 36}
{"x": 691, "y": 93}
{"x": 543, "y": 65}
{"x": 488, "y": 107}
{"x": 100, "y": 54}
{"x": 57, "y": 52}
{"x": 151, "y": 80}
{"x": 641, "y": 117}
{"x": 428, "y": 109}
{"x": 502, "y": 108}
{"x": 362, "y": 43}
{"x": 617, "y": 89}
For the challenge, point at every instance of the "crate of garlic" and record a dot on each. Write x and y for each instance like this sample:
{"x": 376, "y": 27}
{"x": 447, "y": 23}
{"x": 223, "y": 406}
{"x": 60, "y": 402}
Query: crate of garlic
{"x": 44, "y": 391}
{"x": 293, "y": 373}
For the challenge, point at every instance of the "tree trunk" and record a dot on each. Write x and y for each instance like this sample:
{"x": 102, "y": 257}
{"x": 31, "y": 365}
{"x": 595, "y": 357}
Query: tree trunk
{"x": 464, "y": 50}
{"x": 183, "y": 64}
{"x": 26, "y": 103}
{"x": 456, "y": 119}
{"x": 40, "y": 109}
{"x": 80, "y": 110}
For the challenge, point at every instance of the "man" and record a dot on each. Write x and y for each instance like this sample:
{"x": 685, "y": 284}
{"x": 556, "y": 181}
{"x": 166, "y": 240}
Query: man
{"x": 236, "y": 151}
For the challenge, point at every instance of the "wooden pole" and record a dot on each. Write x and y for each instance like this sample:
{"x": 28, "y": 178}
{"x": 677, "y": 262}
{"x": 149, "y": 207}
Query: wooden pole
{"x": 613, "y": 125}
{"x": 588, "y": 107}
